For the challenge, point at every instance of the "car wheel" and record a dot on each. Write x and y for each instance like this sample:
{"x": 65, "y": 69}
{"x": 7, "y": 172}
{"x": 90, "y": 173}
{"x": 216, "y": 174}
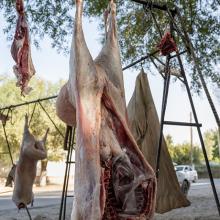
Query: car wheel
{"x": 185, "y": 187}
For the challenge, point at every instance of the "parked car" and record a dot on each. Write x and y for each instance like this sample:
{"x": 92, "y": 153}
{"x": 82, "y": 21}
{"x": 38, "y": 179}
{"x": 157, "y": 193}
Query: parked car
{"x": 186, "y": 175}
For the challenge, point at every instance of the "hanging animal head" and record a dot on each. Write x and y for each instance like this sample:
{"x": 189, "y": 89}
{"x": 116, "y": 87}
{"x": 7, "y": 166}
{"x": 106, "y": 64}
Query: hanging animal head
{"x": 32, "y": 148}
{"x": 4, "y": 118}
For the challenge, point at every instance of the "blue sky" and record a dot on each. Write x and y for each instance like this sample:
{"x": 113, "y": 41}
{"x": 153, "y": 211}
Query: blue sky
{"x": 53, "y": 66}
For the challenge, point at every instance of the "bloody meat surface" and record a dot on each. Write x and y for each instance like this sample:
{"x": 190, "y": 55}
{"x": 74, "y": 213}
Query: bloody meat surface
{"x": 21, "y": 51}
{"x": 112, "y": 178}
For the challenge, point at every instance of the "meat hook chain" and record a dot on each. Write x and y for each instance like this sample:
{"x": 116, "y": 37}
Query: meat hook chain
{"x": 32, "y": 114}
{"x": 51, "y": 119}
{"x": 28, "y": 212}
{"x": 7, "y": 142}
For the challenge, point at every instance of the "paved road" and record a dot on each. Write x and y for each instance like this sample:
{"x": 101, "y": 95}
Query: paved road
{"x": 203, "y": 187}
{"x": 50, "y": 198}
{"x": 42, "y": 199}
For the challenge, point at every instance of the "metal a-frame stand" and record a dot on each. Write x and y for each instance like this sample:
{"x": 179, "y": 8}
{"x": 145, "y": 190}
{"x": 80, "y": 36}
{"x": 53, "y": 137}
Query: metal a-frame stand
{"x": 190, "y": 50}
{"x": 182, "y": 32}
{"x": 69, "y": 142}
{"x": 196, "y": 124}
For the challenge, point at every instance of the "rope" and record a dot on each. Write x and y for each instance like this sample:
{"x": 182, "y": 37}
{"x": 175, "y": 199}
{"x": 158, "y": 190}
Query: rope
{"x": 51, "y": 120}
{"x": 7, "y": 142}
{"x": 29, "y": 215}
{"x": 32, "y": 114}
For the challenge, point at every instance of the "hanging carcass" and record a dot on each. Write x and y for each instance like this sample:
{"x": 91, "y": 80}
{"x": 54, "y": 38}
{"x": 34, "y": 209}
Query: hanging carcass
{"x": 112, "y": 179}
{"x": 21, "y": 51}
{"x": 145, "y": 127}
{"x": 31, "y": 151}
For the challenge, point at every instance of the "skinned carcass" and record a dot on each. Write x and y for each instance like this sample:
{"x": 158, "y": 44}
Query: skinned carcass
{"x": 145, "y": 127}
{"x": 31, "y": 151}
{"x": 113, "y": 181}
{"x": 21, "y": 51}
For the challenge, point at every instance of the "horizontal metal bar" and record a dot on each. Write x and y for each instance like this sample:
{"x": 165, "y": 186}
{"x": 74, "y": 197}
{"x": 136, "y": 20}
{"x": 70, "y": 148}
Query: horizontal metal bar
{"x": 178, "y": 54}
{"x": 70, "y": 196}
{"x": 151, "y": 5}
{"x": 141, "y": 59}
{"x": 182, "y": 123}
{"x": 70, "y": 162}
{"x": 27, "y": 103}
{"x": 55, "y": 96}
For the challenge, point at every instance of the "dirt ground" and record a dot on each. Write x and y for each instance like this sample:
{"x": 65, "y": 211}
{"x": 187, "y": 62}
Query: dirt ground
{"x": 202, "y": 207}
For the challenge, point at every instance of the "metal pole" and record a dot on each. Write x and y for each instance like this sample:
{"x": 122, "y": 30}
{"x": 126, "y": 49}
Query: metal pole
{"x": 154, "y": 5}
{"x": 219, "y": 139}
{"x": 200, "y": 135}
{"x": 191, "y": 140}
{"x": 27, "y": 103}
{"x": 67, "y": 142}
{"x": 70, "y": 141}
{"x": 163, "y": 110}
{"x": 139, "y": 60}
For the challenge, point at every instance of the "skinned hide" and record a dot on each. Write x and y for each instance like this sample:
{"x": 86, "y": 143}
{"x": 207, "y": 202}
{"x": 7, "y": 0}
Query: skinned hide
{"x": 31, "y": 151}
{"x": 145, "y": 127}
{"x": 21, "y": 51}
{"x": 64, "y": 109}
{"x": 113, "y": 181}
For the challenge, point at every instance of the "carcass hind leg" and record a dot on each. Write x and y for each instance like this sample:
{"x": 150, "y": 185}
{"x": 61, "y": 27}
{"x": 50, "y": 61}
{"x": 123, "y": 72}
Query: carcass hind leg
{"x": 75, "y": 215}
{"x": 112, "y": 7}
{"x": 79, "y": 1}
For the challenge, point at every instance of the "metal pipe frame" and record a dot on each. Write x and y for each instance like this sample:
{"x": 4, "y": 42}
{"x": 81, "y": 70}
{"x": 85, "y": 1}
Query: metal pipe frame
{"x": 163, "y": 111}
{"x": 153, "y": 5}
{"x": 27, "y": 103}
{"x": 69, "y": 142}
{"x": 182, "y": 124}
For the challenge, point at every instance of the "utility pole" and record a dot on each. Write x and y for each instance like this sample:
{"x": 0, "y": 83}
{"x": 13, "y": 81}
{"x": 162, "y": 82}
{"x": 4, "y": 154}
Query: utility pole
{"x": 219, "y": 140}
{"x": 191, "y": 141}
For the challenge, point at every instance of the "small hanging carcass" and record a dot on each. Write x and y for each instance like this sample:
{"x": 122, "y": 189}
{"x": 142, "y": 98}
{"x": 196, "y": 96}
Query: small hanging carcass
{"x": 21, "y": 51}
{"x": 31, "y": 151}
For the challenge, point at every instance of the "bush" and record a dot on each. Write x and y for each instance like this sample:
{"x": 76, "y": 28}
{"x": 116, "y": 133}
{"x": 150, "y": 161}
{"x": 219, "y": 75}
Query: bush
{"x": 203, "y": 173}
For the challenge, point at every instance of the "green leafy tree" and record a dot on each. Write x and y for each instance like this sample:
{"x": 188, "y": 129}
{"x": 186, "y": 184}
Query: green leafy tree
{"x": 138, "y": 36}
{"x": 170, "y": 145}
{"x": 212, "y": 145}
{"x": 209, "y": 143}
{"x": 197, "y": 155}
{"x": 39, "y": 123}
{"x": 180, "y": 153}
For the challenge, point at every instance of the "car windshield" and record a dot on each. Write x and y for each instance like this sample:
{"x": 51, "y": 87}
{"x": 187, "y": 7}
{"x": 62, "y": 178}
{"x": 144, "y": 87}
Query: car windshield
{"x": 179, "y": 168}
